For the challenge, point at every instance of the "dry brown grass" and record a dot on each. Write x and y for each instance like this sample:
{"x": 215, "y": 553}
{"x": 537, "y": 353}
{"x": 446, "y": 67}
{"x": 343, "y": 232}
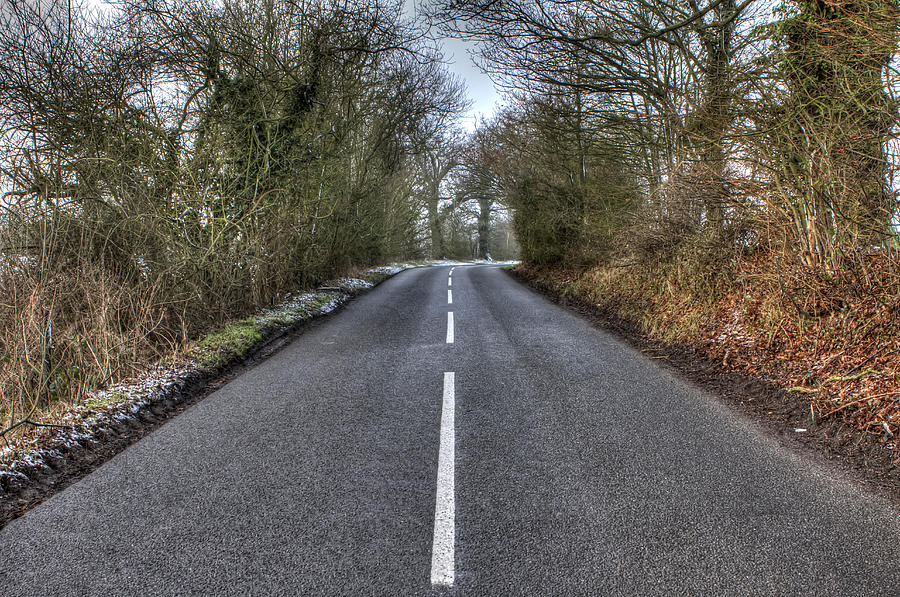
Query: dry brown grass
{"x": 100, "y": 330}
{"x": 831, "y": 340}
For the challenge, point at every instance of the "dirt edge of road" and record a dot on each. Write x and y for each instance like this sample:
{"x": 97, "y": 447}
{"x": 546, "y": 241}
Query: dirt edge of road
{"x": 831, "y": 443}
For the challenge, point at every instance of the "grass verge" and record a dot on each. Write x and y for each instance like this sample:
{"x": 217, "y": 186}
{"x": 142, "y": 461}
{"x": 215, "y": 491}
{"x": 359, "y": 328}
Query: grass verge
{"x": 841, "y": 368}
{"x": 217, "y": 351}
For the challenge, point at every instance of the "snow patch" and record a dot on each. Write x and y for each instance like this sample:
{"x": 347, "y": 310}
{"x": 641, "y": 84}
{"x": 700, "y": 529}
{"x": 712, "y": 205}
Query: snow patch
{"x": 354, "y": 284}
{"x": 734, "y": 332}
{"x": 390, "y": 270}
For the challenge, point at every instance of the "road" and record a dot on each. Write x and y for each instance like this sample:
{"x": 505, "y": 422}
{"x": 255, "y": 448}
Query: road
{"x": 526, "y": 453}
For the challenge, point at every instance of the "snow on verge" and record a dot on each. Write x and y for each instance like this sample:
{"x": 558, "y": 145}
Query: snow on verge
{"x": 85, "y": 423}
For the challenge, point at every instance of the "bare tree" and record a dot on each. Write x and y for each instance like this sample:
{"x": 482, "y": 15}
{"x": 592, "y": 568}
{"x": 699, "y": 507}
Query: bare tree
{"x": 169, "y": 164}
{"x": 666, "y": 70}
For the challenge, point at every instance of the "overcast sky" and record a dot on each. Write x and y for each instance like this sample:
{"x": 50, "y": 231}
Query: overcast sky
{"x": 479, "y": 87}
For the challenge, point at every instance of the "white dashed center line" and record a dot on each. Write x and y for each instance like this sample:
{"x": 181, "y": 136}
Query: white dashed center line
{"x": 443, "y": 567}
{"x": 443, "y": 570}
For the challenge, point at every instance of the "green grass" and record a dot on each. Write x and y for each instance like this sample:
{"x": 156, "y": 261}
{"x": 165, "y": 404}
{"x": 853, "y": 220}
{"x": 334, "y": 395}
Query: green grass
{"x": 323, "y": 300}
{"x": 233, "y": 342}
{"x": 109, "y": 399}
{"x": 285, "y": 319}
{"x": 236, "y": 340}
{"x": 376, "y": 278}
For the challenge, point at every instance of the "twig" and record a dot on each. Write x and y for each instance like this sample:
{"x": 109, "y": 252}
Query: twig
{"x": 803, "y": 312}
{"x": 867, "y": 398}
{"x": 52, "y": 425}
{"x": 33, "y": 424}
{"x": 803, "y": 390}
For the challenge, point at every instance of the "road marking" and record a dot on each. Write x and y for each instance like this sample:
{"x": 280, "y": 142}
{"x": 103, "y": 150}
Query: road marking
{"x": 449, "y": 327}
{"x": 449, "y": 281}
{"x": 443, "y": 567}
{"x": 449, "y": 297}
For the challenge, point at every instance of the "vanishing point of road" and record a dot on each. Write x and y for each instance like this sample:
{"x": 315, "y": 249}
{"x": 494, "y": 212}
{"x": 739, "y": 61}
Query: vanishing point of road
{"x": 454, "y": 433}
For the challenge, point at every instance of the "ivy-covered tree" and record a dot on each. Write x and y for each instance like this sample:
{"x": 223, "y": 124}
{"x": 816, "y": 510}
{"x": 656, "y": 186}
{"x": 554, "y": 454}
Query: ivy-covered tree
{"x": 837, "y": 121}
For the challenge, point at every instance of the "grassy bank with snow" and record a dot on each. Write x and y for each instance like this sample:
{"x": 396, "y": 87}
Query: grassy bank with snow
{"x": 835, "y": 351}
{"x": 73, "y": 421}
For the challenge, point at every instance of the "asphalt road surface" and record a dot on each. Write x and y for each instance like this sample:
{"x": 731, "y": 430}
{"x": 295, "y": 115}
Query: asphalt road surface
{"x": 508, "y": 449}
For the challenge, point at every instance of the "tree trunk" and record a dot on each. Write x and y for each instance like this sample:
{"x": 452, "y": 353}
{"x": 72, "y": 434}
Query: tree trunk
{"x": 484, "y": 227}
{"x": 713, "y": 120}
{"x": 434, "y": 223}
{"x": 835, "y": 54}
